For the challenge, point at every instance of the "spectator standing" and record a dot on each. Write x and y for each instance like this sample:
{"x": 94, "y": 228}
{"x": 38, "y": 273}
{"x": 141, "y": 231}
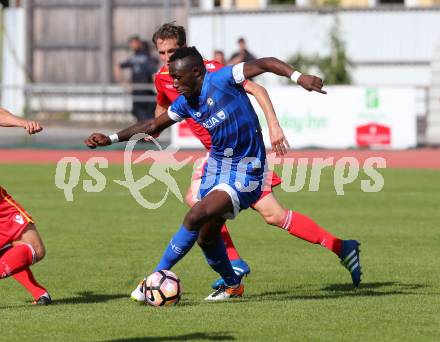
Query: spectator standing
{"x": 243, "y": 54}
{"x": 219, "y": 57}
{"x": 142, "y": 66}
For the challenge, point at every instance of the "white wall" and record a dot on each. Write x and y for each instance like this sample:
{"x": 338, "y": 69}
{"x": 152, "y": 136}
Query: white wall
{"x": 13, "y": 60}
{"x": 375, "y": 39}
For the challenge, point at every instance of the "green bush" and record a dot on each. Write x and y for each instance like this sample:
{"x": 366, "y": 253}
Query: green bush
{"x": 334, "y": 69}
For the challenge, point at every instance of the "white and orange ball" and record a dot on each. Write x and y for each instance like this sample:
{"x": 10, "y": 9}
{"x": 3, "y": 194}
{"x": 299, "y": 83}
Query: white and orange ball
{"x": 162, "y": 288}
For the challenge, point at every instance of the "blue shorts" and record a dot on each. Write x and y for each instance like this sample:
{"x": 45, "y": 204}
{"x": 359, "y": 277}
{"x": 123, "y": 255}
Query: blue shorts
{"x": 244, "y": 188}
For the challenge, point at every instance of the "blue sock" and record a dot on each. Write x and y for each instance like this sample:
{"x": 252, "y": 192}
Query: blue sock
{"x": 179, "y": 245}
{"x": 219, "y": 262}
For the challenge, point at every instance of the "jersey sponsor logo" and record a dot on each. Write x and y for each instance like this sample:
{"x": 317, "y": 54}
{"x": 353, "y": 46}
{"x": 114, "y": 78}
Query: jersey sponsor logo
{"x": 19, "y": 219}
{"x": 169, "y": 86}
{"x": 214, "y": 120}
{"x": 221, "y": 115}
{"x": 210, "y": 102}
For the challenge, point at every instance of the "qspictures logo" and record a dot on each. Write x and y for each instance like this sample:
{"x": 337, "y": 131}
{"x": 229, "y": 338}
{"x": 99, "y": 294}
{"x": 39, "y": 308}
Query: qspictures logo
{"x": 68, "y": 172}
{"x": 297, "y": 174}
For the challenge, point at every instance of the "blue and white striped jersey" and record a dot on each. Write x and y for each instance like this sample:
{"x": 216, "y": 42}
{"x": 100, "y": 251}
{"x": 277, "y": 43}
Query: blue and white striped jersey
{"x": 224, "y": 109}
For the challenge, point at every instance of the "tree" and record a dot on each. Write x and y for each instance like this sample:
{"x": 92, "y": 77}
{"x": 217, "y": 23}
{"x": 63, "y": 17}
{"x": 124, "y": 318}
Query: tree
{"x": 334, "y": 68}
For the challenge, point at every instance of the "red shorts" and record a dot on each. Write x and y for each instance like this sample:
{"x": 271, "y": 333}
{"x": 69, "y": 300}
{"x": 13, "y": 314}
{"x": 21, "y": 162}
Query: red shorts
{"x": 13, "y": 219}
{"x": 273, "y": 179}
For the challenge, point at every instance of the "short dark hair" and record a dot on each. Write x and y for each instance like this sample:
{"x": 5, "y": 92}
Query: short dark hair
{"x": 170, "y": 31}
{"x": 134, "y": 38}
{"x": 184, "y": 52}
{"x": 241, "y": 40}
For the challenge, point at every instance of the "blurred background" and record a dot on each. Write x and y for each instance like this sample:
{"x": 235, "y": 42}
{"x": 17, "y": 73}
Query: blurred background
{"x": 67, "y": 63}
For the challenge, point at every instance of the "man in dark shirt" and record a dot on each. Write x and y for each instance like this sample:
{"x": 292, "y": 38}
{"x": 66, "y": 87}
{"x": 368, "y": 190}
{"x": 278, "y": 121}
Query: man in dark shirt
{"x": 242, "y": 55}
{"x": 142, "y": 66}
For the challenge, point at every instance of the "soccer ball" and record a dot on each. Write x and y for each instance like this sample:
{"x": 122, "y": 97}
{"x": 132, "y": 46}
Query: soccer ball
{"x": 162, "y": 288}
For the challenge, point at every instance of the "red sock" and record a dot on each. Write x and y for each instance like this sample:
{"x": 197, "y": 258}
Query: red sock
{"x": 16, "y": 259}
{"x": 230, "y": 248}
{"x": 305, "y": 228}
{"x": 26, "y": 278}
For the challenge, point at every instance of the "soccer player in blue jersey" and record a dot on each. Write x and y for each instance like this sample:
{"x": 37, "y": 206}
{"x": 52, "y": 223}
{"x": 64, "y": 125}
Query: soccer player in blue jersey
{"x": 233, "y": 177}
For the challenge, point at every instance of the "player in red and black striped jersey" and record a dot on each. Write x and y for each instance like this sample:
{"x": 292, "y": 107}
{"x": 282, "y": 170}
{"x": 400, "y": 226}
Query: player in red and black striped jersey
{"x": 20, "y": 243}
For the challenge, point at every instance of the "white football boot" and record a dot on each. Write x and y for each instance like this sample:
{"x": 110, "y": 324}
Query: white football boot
{"x": 226, "y": 292}
{"x": 138, "y": 294}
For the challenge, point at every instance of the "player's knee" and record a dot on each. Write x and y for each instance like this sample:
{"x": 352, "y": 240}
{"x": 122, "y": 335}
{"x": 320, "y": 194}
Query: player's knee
{"x": 191, "y": 219}
{"x": 270, "y": 219}
{"x": 189, "y": 199}
{"x": 201, "y": 242}
{"x": 274, "y": 219}
{"x": 205, "y": 242}
{"x": 40, "y": 251}
{"x": 195, "y": 217}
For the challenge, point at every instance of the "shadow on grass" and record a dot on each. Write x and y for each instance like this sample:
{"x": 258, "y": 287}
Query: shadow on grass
{"x": 88, "y": 297}
{"x": 332, "y": 291}
{"x": 185, "y": 302}
{"x": 11, "y": 306}
{"x": 373, "y": 286}
{"x": 214, "y": 336}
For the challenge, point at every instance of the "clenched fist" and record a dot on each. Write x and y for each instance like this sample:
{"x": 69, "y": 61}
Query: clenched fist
{"x": 32, "y": 127}
{"x": 97, "y": 139}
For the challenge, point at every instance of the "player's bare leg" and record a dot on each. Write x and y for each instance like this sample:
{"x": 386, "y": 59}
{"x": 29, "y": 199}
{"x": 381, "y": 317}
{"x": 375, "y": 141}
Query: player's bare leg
{"x": 305, "y": 228}
{"x": 16, "y": 260}
{"x": 31, "y": 237}
{"x": 191, "y": 192}
{"x": 216, "y": 204}
{"x": 191, "y": 199}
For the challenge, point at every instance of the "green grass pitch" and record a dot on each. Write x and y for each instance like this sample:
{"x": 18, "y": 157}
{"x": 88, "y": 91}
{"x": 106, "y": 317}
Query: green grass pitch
{"x": 101, "y": 244}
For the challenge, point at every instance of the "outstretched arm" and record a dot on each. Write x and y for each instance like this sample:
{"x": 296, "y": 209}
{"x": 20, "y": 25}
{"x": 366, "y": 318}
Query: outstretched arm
{"x": 275, "y": 66}
{"x": 9, "y": 120}
{"x": 277, "y": 139}
{"x": 150, "y": 127}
